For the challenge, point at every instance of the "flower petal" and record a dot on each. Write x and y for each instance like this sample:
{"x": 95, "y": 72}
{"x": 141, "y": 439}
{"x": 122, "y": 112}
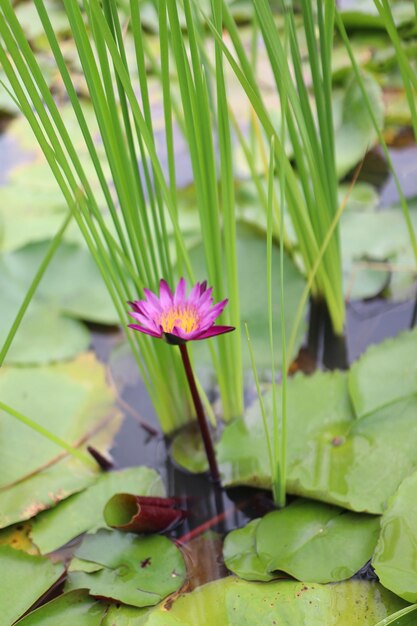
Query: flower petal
{"x": 165, "y": 294}
{"x": 213, "y": 331}
{"x": 180, "y": 292}
{"x": 145, "y": 331}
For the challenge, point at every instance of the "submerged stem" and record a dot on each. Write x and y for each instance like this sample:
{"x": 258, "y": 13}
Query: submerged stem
{"x": 202, "y": 422}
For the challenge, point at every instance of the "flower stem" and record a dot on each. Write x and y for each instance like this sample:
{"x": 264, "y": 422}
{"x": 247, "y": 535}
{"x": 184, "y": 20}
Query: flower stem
{"x": 205, "y": 433}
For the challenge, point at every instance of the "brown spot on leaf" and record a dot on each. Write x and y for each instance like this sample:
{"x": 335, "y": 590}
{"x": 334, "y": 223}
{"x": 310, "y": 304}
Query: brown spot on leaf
{"x": 145, "y": 562}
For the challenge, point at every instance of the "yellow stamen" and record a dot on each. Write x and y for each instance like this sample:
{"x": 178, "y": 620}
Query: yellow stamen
{"x": 184, "y": 317}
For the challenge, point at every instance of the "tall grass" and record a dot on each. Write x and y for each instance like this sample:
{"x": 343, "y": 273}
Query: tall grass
{"x": 133, "y": 252}
{"x": 310, "y": 181}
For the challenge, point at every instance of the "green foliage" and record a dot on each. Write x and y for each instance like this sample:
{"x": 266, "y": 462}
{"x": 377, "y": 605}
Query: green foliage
{"x": 139, "y": 571}
{"x": 84, "y": 511}
{"x": 24, "y": 579}
{"x": 240, "y": 603}
{"x": 74, "y": 607}
{"x": 395, "y": 554}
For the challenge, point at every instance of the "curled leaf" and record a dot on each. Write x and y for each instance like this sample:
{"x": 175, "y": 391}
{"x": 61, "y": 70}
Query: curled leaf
{"x": 142, "y": 514}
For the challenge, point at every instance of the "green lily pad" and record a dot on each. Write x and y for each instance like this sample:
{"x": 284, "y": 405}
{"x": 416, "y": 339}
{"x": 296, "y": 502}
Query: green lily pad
{"x": 187, "y": 450}
{"x": 72, "y": 283}
{"x": 404, "y": 617}
{"x": 123, "y": 615}
{"x": 240, "y": 555}
{"x": 140, "y": 571}
{"x": 332, "y": 456}
{"x": 396, "y": 551}
{"x": 237, "y": 602}
{"x": 84, "y": 511}
{"x": 76, "y": 392}
{"x": 44, "y": 335}
{"x": 384, "y": 374}
{"x": 364, "y": 14}
{"x": 251, "y": 261}
{"x": 17, "y": 569}
{"x": 354, "y": 130}
{"x": 75, "y": 607}
{"x": 44, "y": 489}
{"x": 316, "y": 542}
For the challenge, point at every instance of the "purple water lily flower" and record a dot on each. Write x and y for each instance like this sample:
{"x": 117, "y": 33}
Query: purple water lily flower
{"x": 175, "y": 317}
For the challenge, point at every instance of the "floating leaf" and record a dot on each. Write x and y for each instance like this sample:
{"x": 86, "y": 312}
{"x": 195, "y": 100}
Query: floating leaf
{"x": 396, "y": 551}
{"x": 364, "y": 14}
{"x": 140, "y": 571}
{"x": 251, "y": 255}
{"x": 75, "y": 392}
{"x": 69, "y": 609}
{"x": 17, "y": 569}
{"x": 236, "y": 602}
{"x": 84, "y": 511}
{"x": 332, "y": 456}
{"x": 123, "y": 615}
{"x": 404, "y": 617}
{"x": 384, "y": 374}
{"x": 354, "y": 130}
{"x": 44, "y": 335}
{"x": 240, "y": 555}
{"x": 315, "y": 542}
{"x": 142, "y": 514}
{"x": 72, "y": 283}
{"x": 56, "y": 482}
{"x": 187, "y": 451}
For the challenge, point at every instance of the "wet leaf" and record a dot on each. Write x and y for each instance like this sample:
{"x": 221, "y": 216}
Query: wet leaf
{"x": 75, "y": 608}
{"x": 142, "y": 514}
{"x": 75, "y": 392}
{"x": 315, "y": 542}
{"x": 384, "y": 374}
{"x": 238, "y": 602}
{"x": 396, "y": 551}
{"x": 16, "y": 569}
{"x": 84, "y": 511}
{"x": 139, "y": 571}
{"x": 240, "y": 555}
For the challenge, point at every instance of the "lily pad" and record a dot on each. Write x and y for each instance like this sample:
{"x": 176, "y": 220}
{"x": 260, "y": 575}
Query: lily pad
{"x": 332, "y": 456}
{"x": 364, "y": 14}
{"x": 396, "y": 551}
{"x": 74, "y": 607}
{"x": 187, "y": 451}
{"x": 140, "y": 571}
{"x": 44, "y": 335}
{"x": 251, "y": 261}
{"x": 72, "y": 283}
{"x": 16, "y": 569}
{"x": 240, "y": 555}
{"x": 84, "y": 511}
{"x": 354, "y": 130}
{"x": 316, "y": 542}
{"x": 384, "y": 374}
{"x": 76, "y": 392}
{"x": 404, "y": 617}
{"x": 237, "y": 602}
{"x": 123, "y": 615}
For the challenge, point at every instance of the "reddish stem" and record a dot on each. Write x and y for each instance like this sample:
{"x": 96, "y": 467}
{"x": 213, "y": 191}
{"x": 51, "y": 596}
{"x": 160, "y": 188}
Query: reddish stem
{"x": 202, "y": 422}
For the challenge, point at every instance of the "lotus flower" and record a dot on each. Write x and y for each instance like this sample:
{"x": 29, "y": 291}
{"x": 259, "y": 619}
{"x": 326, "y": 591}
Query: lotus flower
{"x": 175, "y": 317}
